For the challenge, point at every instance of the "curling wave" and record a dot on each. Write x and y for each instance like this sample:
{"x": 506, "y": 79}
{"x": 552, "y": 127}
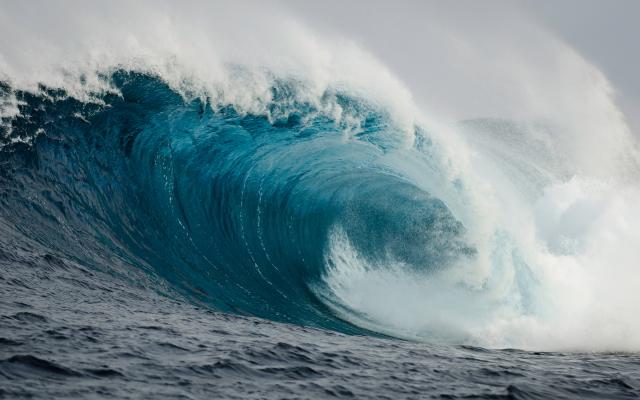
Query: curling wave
{"x": 306, "y": 186}
{"x": 239, "y": 211}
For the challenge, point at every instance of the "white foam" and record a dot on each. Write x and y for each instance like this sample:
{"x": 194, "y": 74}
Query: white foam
{"x": 196, "y": 48}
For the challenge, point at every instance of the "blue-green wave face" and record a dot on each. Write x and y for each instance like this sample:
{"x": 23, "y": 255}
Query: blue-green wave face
{"x": 238, "y": 211}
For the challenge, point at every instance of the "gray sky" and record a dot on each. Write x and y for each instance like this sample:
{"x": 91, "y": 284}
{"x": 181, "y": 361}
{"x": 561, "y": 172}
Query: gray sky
{"x": 401, "y": 34}
{"x": 608, "y": 34}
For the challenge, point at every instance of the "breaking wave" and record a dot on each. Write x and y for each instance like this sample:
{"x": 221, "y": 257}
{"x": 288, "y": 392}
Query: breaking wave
{"x": 317, "y": 193}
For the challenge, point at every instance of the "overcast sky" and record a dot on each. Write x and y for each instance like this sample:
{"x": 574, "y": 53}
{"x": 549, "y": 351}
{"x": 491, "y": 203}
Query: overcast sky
{"x": 605, "y": 32}
{"x": 608, "y": 34}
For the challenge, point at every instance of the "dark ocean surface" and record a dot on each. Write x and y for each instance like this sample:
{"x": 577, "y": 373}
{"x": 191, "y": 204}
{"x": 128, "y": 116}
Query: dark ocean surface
{"x": 68, "y": 332}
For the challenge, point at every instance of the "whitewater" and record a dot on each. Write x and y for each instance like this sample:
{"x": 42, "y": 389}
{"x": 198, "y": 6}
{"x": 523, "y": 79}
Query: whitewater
{"x": 220, "y": 200}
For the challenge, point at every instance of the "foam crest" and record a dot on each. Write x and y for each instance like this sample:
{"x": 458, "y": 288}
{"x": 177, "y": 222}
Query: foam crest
{"x": 230, "y": 54}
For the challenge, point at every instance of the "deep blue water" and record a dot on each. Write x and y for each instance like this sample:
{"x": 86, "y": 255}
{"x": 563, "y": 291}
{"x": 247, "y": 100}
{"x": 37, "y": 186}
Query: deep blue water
{"x": 153, "y": 246}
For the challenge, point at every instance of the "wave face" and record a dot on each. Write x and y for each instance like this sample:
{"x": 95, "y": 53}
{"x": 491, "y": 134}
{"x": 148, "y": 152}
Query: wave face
{"x": 236, "y": 210}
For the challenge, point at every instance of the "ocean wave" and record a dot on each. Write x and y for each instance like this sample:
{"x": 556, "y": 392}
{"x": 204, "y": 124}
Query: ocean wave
{"x": 307, "y": 187}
